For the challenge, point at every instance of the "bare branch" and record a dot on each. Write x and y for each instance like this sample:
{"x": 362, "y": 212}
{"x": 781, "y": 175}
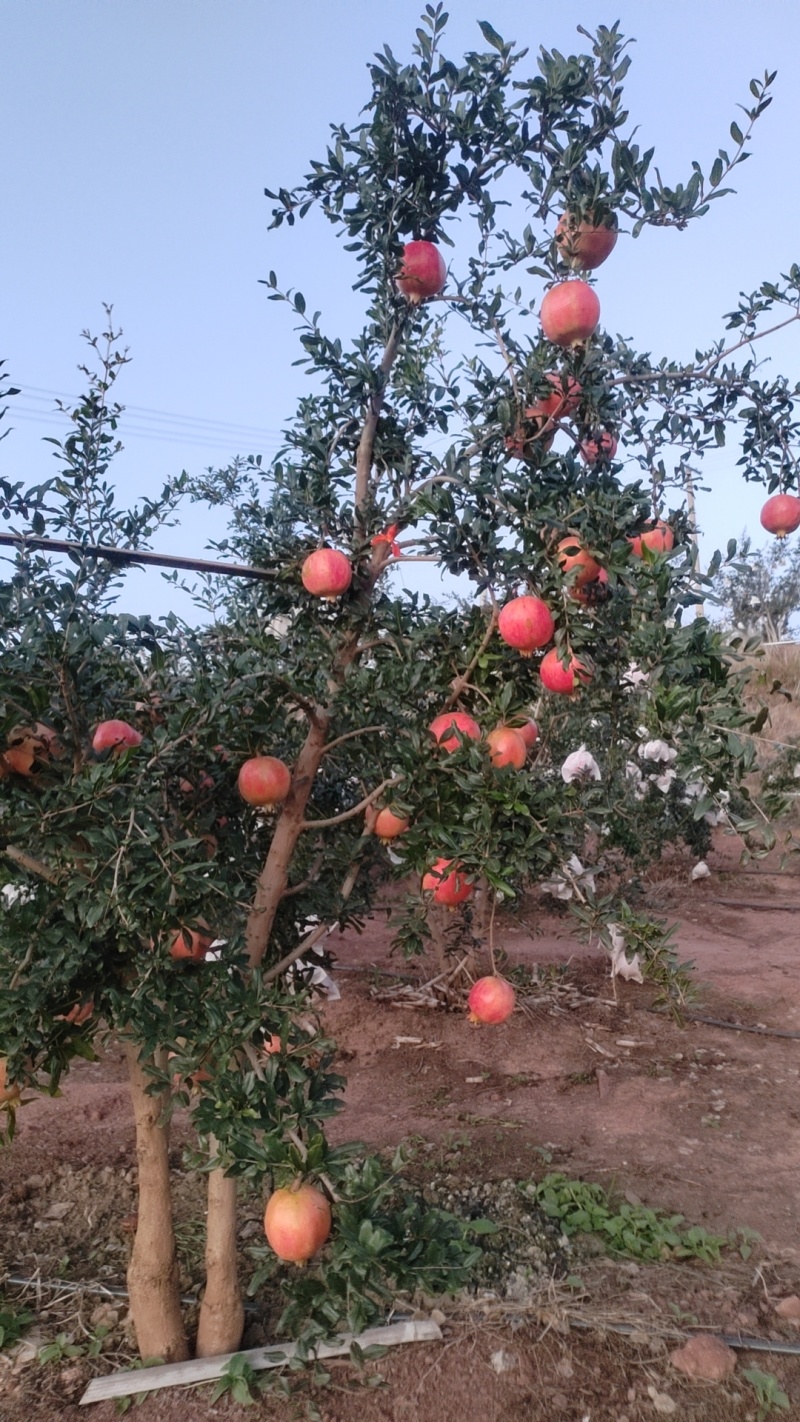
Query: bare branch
{"x": 361, "y": 730}
{"x": 33, "y": 866}
{"x": 356, "y": 809}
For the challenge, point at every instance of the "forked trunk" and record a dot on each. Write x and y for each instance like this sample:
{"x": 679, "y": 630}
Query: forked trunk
{"x": 221, "y": 1312}
{"x": 153, "y": 1281}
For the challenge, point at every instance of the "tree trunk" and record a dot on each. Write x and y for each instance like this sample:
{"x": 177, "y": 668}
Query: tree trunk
{"x": 221, "y": 1312}
{"x": 153, "y": 1271}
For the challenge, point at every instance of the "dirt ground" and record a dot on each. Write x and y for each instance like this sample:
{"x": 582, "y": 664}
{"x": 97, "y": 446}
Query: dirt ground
{"x": 701, "y": 1120}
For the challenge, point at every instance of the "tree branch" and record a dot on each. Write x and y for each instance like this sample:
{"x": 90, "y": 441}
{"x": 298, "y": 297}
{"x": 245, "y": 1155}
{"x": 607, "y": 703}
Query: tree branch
{"x": 366, "y": 444}
{"x": 361, "y": 731}
{"x": 316, "y": 933}
{"x": 33, "y": 866}
{"x": 356, "y": 809}
{"x": 461, "y": 681}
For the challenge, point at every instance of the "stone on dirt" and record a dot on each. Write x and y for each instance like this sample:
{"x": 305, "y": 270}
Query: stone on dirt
{"x": 704, "y": 1357}
{"x": 789, "y": 1308}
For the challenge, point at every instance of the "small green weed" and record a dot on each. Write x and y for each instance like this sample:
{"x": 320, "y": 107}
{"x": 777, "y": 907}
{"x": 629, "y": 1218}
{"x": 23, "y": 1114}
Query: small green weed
{"x": 239, "y": 1381}
{"x": 635, "y": 1230}
{"x": 13, "y": 1323}
{"x": 770, "y": 1396}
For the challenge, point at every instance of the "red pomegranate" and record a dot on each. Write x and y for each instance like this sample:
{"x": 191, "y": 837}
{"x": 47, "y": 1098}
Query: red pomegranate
{"x": 80, "y": 1013}
{"x": 781, "y": 514}
{"x": 327, "y": 574}
{"x": 388, "y": 825}
{"x": 563, "y": 679}
{"x": 526, "y": 623}
{"x": 529, "y": 731}
{"x": 581, "y": 243}
{"x": 264, "y": 781}
{"x": 422, "y": 272}
{"x": 9, "y": 1095}
{"x": 115, "y": 735}
{"x": 19, "y": 757}
{"x": 449, "y": 888}
{"x": 528, "y": 439}
{"x": 570, "y": 313}
{"x": 564, "y": 400}
{"x": 594, "y": 592}
{"x": 297, "y": 1221}
{"x": 491, "y": 1000}
{"x": 190, "y": 943}
{"x": 453, "y": 721}
{"x": 659, "y": 538}
{"x": 603, "y": 448}
{"x": 506, "y": 747}
{"x": 572, "y": 555}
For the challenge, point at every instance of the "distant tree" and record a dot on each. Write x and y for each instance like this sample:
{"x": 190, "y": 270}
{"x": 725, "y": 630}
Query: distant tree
{"x": 760, "y": 593}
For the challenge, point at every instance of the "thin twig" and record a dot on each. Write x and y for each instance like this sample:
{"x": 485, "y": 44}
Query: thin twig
{"x": 356, "y": 809}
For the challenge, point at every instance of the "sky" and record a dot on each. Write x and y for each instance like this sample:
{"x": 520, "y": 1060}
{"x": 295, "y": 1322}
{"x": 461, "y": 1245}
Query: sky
{"x": 139, "y": 136}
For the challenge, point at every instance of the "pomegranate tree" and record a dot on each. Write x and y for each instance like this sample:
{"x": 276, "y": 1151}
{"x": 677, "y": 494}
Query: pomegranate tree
{"x": 423, "y": 437}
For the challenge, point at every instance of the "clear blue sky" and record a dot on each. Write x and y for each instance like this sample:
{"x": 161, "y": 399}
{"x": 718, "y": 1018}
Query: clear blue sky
{"x": 138, "y": 137}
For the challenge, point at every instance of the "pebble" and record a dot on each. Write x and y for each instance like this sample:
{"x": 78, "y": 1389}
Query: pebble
{"x": 704, "y": 1357}
{"x": 789, "y": 1308}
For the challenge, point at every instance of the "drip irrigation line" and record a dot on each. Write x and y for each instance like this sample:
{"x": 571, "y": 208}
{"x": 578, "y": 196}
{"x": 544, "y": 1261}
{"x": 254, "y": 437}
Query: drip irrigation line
{"x": 114, "y": 1291}
{"x": 756, "y": 904}
{"x": 123, "y": 556}
{"x": 733, "y": 1340}
{"x": 731, "y": 1026}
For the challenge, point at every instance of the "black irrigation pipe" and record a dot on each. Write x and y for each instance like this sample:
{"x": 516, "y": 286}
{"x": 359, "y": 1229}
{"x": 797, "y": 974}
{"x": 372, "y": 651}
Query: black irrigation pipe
{"x": 124, "y": 556}
{"x": 731, "y": 1026}
{"x": 733, "y": 1340}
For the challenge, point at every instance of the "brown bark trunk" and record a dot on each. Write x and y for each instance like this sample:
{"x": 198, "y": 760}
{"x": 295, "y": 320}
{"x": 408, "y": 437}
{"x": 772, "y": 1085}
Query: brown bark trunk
{"x": 153, "y": 1271}
{"x": 275, "y": 875}
{"x": 221, "y": 1313}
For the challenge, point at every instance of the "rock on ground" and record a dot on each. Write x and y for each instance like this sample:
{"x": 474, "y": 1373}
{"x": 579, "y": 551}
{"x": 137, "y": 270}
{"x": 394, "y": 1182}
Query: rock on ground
{"x": 704, "y": 1357}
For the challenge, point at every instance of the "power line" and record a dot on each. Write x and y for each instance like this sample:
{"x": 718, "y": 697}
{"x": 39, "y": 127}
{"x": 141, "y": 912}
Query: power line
{"x": 38, "y": 393}
{"x": 132, "y": 429}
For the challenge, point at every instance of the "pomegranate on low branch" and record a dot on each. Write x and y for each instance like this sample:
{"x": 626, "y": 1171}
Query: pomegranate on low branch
{"x": 115, "y": 736}
{"x": 297, "y": 1222}
{"x": 9, "y": 1094}
{"x": 388, "y": 826}
{"x": 506, "y": 747}
{"x": 659, "y": 538}
{"x": 190, "y": 943}
{"x": 327, "y": 574}
{"x": 781, "y": 515}
{"x": 444, "y": 728}
{"x": 526, "y": 623}
{"x": 529, "y": 731}
{"x": 448, "y": 885}
{"x": 264, "y": 781}
{"x": 572, "y": 555}
{"x": 563, "y": 679}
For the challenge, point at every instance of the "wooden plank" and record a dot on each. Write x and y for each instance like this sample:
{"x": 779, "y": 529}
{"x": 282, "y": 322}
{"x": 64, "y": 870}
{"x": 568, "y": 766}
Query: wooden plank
{"x": 200, "y": 1370}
